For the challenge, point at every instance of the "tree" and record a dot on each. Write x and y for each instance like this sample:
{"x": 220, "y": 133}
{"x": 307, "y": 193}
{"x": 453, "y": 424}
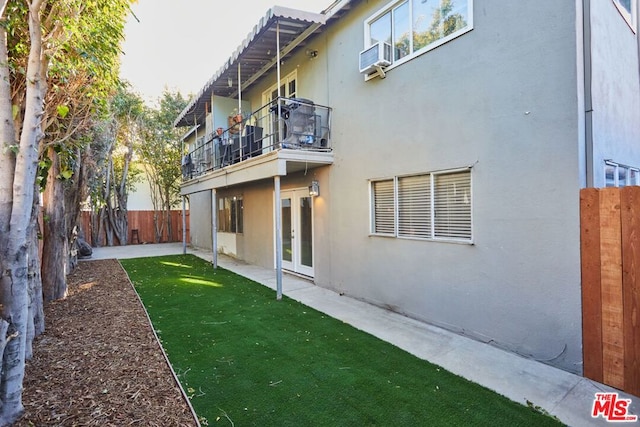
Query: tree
{"x": 35, "y": 49}
{"x": 114, "y": 177}
{"x": 160, "y": 152}
{"x": 20, "y": 163}
{"x": 81, "y": 80}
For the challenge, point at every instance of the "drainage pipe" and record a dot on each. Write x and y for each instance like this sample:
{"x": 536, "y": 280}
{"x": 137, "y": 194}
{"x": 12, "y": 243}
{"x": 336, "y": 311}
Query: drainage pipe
{"x": 588, "y": 101}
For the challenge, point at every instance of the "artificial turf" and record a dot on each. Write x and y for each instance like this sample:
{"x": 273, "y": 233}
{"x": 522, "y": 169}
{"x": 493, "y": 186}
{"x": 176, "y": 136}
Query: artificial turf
{"x": 246, "y": 359}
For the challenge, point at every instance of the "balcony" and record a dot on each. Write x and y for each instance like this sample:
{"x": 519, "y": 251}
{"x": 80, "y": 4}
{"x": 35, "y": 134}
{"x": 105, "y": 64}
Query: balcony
{"x": 293, "y": 125}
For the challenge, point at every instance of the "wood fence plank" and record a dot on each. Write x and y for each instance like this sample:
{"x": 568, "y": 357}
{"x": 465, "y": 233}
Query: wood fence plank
{"x": 630, "y": 211}
{"x": 591, "y": 293}
{"x": 143, "y": 222}
{"x": 611, "y": 280}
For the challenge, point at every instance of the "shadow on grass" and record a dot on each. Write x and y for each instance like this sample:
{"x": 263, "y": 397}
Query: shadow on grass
{"x": 246, "y": 359}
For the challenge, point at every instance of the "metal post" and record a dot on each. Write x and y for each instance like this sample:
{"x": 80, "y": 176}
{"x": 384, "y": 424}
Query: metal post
{"x": 280, "y": 124}
{"x": 278, "y": 217}
{"x": 184, "y": 225}
{"x": 240, "y": 110}
{"x": 214, "y": 228}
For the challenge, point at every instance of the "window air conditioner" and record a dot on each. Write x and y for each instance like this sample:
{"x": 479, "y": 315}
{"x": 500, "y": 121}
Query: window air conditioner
{"x": 375, "y": 57}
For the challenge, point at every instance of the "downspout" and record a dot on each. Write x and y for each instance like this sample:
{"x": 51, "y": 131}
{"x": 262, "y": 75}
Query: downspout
{"x": 588, "y": 100}
{"x": 637, "y": 22}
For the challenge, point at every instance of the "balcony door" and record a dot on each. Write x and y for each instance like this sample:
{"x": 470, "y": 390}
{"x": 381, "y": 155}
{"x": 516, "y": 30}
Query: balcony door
{"x": 297, "y": 231}
{"x": 288, "y": 89}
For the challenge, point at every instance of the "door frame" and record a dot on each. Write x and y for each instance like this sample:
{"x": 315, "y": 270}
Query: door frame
{"x": 295, "y": 265}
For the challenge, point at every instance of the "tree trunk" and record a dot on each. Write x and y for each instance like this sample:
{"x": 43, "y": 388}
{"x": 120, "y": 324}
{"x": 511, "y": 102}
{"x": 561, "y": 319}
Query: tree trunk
{"x": 14, "y": 265}
{"x": 96, "y": 228}
{"x": 56, "y": 247}
{"x": 35, "y": 326}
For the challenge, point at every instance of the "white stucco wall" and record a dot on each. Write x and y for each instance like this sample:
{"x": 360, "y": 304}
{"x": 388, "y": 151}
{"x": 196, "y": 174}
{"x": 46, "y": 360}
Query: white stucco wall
{"x": 615, "y": 88}
{"x": 140, "y": 198}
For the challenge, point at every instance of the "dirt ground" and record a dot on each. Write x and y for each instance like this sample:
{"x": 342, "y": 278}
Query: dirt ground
{"x": 98, "y": 362}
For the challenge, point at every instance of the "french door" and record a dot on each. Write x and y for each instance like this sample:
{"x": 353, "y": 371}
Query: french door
{"x": 288, "y": 89}
{"x": 297, "y": 231}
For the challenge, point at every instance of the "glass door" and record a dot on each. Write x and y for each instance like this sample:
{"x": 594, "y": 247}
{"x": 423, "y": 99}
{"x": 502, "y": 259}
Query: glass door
{"x": 297, "y": 231}
{"x": 288, "y": 89}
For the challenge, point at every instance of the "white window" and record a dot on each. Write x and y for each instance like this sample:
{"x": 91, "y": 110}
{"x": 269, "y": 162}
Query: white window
{"x": 627, "y": 9}
{"x": 425, "y": 206}
{"x": 413, "y": 27}
{"x": 618, "y": 175}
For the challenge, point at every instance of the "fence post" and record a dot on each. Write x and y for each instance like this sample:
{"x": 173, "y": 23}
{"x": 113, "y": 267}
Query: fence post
{"x": 630, "y": 212}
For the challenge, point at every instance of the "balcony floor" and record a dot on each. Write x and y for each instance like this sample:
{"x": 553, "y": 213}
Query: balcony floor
{"x": 279, "y": 162}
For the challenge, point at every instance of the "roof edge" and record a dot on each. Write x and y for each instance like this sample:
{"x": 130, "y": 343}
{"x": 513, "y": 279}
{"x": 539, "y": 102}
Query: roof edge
{"x": 272, "y": 14}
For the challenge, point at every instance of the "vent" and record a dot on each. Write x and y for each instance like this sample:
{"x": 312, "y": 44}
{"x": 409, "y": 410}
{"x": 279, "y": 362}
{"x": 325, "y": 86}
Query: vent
{"x": 375, "y": 57}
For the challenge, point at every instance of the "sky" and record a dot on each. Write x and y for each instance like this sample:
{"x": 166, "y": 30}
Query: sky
{"x": 180, "y": 44}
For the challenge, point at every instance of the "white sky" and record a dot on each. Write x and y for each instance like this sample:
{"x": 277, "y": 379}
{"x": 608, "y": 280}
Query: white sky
{"x": 180, "y": 44}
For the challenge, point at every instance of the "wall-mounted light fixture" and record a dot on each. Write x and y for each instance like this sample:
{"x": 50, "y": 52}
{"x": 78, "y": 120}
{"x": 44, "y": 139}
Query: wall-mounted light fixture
{"x": 314, "y": 189}
{"x": 229, "y": 81}
{"x": 311, "y": 53}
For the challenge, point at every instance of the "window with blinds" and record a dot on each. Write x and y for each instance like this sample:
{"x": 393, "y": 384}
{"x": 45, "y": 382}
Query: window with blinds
{"x": 414, "y": 206}
{"x": 452, "y": 205}
{"x": 384, "y": 207}
{"x": 426, "y": 206}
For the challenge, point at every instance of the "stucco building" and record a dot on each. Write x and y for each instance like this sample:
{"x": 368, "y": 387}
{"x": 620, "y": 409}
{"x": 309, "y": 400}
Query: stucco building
{"x": 445, "y": 143}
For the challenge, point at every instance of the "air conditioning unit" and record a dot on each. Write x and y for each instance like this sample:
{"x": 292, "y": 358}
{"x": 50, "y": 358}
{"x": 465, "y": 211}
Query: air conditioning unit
{"x": 375, "y": 57}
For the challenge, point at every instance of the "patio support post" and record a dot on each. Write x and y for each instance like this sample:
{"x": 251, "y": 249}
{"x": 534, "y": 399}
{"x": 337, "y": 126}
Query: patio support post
{"x": 280, "y": 127}
{"x": 278, "y": 217}
{"x": 214, "y": 228}
{"x": 240, "y": 107}
{"x": 184, "y": 225}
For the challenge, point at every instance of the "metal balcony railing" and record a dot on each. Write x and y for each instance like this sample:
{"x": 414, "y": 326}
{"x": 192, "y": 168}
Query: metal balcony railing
{"x": 284, "y": 123}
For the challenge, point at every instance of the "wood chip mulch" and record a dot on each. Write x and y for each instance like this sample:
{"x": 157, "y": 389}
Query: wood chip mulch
{"x": 98, "y": 362}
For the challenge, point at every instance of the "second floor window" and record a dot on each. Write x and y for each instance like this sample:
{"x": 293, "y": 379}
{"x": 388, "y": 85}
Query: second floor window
{"x": 415, "y": 26}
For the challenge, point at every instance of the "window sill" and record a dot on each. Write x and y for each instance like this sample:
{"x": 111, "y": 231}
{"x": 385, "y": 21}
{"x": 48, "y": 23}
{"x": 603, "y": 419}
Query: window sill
{"x": 420, "y": 239}
{"x": 421, "y": 52}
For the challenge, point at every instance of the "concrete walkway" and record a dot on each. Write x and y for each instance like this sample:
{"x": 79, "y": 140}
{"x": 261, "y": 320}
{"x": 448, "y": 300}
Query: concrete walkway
{"x": 564, "y": 395}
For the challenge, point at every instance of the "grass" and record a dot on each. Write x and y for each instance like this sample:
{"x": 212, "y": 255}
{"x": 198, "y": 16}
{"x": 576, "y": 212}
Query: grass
{"x": 246, "y": 359}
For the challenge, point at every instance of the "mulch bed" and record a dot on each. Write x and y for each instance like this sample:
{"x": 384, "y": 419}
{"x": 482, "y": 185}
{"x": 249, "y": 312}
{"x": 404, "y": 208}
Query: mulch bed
{"x": 98, "y": 362}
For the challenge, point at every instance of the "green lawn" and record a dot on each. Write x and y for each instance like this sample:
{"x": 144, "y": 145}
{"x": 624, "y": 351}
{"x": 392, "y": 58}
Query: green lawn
{"x": 246, "y": 359}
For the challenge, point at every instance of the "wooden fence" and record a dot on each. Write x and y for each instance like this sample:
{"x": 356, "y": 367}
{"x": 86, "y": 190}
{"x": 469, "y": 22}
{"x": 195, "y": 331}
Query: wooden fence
{"x": 610, "y": 251}
{"x": 141, "y": 229}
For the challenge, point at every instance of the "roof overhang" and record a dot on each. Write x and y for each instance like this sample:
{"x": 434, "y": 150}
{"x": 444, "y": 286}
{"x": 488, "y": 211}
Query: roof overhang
{"x": 256, "y": 56}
